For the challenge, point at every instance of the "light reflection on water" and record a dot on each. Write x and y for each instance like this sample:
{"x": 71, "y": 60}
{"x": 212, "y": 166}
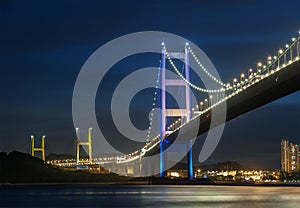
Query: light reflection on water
{"x": 148, "y": 196}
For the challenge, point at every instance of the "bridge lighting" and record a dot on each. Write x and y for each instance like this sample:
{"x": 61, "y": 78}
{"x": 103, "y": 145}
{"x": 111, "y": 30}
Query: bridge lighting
{"x": 259, "y": 64}
{"x": 205, "y": 101}
{"x": 211, "y": 100}
{"x": 287, "y": 45}
{"x": 275, "y": 57}
{"x": 293, "y": 39}
{"x": 250, "y": 72}
{"x": 234, "y": 81}
{"x": 279, "y": 52}
{"x": 242, "y": 76}
{"x": 269, "y": 59}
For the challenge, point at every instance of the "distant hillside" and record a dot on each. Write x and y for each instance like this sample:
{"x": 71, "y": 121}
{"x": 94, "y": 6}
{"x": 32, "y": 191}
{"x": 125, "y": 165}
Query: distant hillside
{"x": 54, "y": 156}
{"x": 230, "y": 165}
{"x": 21, "y": 167}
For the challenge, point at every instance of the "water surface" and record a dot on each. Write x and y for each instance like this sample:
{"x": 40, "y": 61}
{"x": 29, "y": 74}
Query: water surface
{"x": 148, "y": 196}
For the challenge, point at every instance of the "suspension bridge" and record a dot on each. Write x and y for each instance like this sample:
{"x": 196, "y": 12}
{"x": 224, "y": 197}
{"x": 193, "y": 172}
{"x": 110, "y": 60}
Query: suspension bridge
{"x": 278, "y": 76}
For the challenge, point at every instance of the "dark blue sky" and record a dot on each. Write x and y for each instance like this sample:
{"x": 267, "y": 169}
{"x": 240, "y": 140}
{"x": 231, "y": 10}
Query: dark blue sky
{"x": 45, "y": 43}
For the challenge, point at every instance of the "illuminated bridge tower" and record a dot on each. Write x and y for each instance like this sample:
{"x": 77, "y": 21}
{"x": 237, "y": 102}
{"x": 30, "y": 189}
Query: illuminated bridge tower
{"x": 177, "y": 112}
{"x": 38, "y": 149}
{"x": 88, "y": 144}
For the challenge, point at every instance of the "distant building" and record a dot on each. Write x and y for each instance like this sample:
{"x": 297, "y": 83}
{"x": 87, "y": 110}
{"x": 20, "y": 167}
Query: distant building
{"x": 285, "y": 156}
{"x": 289, "y": 156}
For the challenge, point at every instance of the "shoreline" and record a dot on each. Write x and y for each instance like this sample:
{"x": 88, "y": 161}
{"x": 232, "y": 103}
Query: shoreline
{"x": 144, "y": 183}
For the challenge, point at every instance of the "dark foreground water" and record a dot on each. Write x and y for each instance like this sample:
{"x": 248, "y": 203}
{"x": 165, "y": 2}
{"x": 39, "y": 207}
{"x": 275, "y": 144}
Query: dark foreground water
{"x": 148, "y": 196}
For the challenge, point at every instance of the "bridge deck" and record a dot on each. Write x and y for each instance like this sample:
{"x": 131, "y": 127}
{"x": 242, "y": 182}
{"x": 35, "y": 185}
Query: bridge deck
{"x": 275, "y": 86}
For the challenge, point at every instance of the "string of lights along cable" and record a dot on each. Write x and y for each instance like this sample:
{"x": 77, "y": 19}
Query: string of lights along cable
{"x": 154, "y": 103}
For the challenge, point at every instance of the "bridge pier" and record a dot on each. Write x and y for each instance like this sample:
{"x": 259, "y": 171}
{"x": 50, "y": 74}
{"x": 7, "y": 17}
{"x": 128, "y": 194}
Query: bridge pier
{"x": 163, "y": 159}
{"x": 190, "y": 160}
{"x": 189, "y": 156}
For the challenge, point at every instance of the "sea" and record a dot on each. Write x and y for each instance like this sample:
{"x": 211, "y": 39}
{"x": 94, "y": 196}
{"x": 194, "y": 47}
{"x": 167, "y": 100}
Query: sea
{"x": 148, "y": 196}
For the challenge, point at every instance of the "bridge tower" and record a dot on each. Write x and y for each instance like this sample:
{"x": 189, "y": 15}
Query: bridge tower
{"x": 167, "y": 112}
{"x": 38, "y": 149}
{"x": 88, "y": 144}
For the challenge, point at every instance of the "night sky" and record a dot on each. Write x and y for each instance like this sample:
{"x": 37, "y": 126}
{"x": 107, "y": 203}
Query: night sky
{"x": 45, "y": 43}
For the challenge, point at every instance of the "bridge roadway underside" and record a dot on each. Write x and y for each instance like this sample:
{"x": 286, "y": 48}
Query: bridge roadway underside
{"x": 275, "y": 86}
